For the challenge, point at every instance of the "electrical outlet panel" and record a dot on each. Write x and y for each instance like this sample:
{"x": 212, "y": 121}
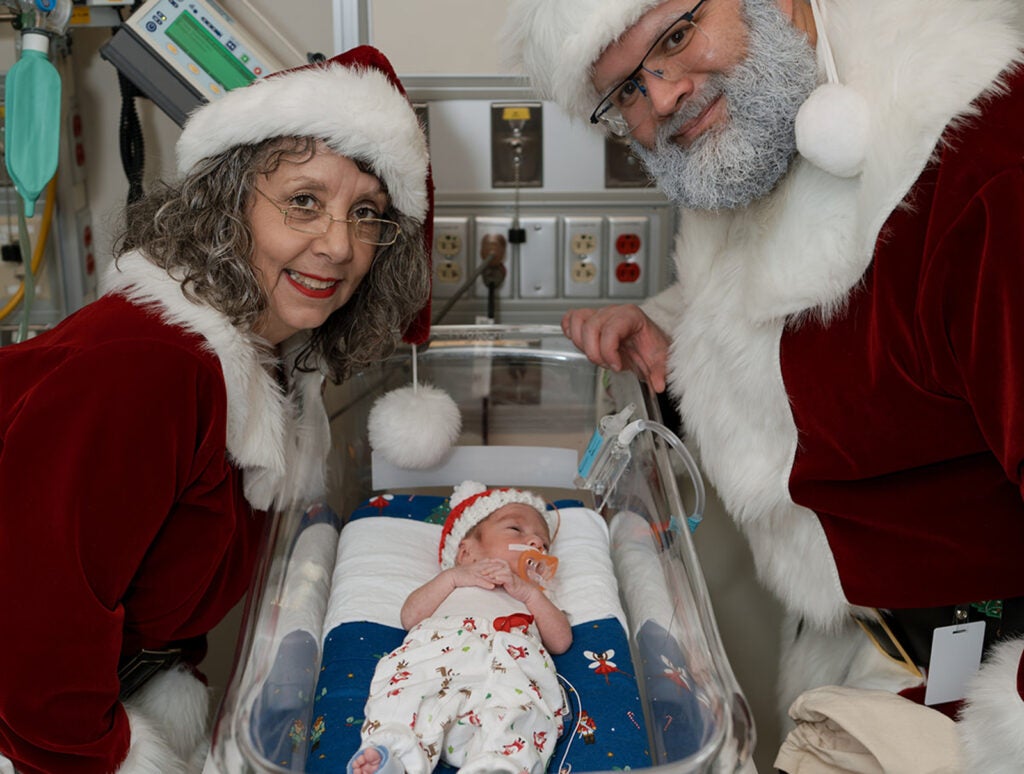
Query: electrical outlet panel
{"x": 450, "y": 255}
{"x": 583, "y": 255}
{"x": 488, "y": 230}
{"x": 628, "y": 264}
{"x": 537, "y": 264}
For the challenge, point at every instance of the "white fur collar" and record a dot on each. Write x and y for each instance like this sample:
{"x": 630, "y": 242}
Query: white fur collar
{"x": 743, "y": 274}
{"x": 279, "y": 440}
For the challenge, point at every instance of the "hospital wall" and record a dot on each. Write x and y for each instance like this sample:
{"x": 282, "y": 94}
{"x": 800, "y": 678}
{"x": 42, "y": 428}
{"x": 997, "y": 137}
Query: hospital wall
{"x": 439, "y": 44}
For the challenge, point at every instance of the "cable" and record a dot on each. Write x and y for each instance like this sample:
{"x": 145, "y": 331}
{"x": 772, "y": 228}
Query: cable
{"x": 562, "y": 768}
{"x": 493, "y": 258}
{"x": 40, "y": 248}
{"x": 133, "y": 156}
{"x": 630, "y": 431}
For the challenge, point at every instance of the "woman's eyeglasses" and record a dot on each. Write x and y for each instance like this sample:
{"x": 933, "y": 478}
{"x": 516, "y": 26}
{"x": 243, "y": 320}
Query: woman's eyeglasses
{"x": 309, "y": 220}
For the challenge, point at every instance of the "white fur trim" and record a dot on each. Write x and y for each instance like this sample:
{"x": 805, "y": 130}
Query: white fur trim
{"x": 991, "y": 724}
{"x": 464, "y": 518}
{"x": 356, "y": 110}
{"x": 281, "y": 441}
{"x": 744, "y": 274}
{"x": 167, "y": 718}
{"x": 556, "y": 42}
{"x": 415, "y": 426}
{"x": 149, "y": 752}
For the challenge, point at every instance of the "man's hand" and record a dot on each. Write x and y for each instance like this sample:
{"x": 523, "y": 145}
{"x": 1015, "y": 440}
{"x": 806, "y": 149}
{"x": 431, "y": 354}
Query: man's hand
{"x": 620, "y": 337}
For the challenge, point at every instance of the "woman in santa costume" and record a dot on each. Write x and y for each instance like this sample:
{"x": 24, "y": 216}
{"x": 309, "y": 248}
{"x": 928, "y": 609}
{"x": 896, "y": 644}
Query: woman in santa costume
{"x": 144, "y": 440}
{"x": 845, "y": 340}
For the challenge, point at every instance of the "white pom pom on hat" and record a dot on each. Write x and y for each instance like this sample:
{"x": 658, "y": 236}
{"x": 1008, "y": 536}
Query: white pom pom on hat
{"x": 472, "y": 502}
{"x": 414, "y": 427}
{"x": 832, "y": 126}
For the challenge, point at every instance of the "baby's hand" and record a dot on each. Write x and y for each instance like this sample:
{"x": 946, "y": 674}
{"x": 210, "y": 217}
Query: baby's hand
{"x": 519, "y": 589}
{"x": 483, "y": 573}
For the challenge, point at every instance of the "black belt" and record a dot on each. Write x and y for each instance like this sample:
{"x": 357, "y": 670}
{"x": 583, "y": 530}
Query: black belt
{"x": 134, "y": 672}
{"x": 906, "y": 634}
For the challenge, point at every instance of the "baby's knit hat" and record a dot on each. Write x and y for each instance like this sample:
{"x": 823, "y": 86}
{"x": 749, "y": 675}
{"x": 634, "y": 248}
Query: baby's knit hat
{"x": 471, "y": 503}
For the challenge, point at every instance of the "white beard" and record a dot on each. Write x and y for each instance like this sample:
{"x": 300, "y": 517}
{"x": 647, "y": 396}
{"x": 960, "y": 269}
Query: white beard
{"x": 743, "y": 160}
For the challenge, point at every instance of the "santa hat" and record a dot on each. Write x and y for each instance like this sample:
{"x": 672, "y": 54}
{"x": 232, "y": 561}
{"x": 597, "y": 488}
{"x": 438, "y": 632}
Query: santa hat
{"x": 556, "y": 42}
{"x": 471, "y": 503}
{"x": 355, "y": 103}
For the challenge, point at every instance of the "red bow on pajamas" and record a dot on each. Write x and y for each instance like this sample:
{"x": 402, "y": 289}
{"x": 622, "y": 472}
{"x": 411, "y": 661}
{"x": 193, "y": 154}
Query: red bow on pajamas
{"x": 506, "y": 623}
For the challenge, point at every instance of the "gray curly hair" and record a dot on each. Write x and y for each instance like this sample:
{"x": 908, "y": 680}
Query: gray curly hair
{"x": 198, "y": 230}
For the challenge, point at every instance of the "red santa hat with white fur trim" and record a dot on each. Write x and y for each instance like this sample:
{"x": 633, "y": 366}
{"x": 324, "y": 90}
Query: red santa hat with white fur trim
{"x": 472, "y": 502}
{"x": 355, "y": 103}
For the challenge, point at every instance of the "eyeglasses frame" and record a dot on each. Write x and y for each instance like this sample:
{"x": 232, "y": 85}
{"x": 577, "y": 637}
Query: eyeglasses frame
{"x": 352, "y": 222}
{"x": 595, "y": 117}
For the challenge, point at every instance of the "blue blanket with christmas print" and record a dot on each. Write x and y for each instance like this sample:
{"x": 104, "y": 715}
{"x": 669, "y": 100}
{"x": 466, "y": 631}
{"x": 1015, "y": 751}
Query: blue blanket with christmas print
{"x": 388, "y": 548}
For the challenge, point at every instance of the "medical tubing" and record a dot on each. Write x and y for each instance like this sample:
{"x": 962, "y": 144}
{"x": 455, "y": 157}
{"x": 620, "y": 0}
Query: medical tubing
{"x": 30, "y": 280}
{"x": 630, "y": 431}
{"x": 40, "y": 248}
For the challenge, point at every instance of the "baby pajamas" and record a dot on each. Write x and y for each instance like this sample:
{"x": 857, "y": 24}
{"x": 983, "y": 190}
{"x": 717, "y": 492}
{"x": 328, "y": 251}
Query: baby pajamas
{"x": 479, "y": 691}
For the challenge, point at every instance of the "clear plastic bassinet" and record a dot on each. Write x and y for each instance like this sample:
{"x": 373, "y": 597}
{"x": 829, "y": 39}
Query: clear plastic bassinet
{"x": 531, "y": 406}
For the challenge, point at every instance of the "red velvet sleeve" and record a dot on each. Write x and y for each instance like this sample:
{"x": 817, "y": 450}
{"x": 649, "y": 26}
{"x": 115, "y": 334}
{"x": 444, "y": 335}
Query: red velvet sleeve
{"x": 976, "y": 328}
{"x": 92, "y": 464}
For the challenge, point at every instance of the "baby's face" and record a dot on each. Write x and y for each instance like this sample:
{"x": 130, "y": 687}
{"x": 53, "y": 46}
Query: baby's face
{"x": 512, "y": 524}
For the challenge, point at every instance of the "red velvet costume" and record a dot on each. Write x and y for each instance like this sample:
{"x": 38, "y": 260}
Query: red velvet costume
{"x": 124, "y": 522}
{"x": 909, "y": 403}
{"x": 143, "y": 441}
{"x": 847, "y": 349}
{"x": 140, "y": 443}
{"x": 847, "y": 356}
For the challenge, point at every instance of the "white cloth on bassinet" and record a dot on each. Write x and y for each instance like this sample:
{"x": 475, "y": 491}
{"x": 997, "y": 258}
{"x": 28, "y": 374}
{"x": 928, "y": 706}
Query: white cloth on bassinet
{"x": 382, "y": 559}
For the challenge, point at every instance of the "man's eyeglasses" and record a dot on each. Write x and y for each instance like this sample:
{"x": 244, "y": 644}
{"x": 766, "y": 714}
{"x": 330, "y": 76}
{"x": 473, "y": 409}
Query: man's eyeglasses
{"x": 308, "y": 220}
{"x": 626, "y": 105}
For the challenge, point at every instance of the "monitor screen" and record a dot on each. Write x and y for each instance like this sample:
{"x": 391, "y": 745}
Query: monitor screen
{"x": 207, "y": 52}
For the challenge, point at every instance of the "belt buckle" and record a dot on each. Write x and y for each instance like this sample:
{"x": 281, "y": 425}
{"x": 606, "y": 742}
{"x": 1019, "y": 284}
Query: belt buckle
{"x": 134, "y": 673}
{"x": 883, "y": 638}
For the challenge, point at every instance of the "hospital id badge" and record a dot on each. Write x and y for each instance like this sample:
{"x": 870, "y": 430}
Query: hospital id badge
{"x": 956, "y": 656}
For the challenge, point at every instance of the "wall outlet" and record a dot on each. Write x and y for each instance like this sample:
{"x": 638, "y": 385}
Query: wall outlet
{"x": 491, "y": 233}
{"x": 583, "y": 256}
{"x": 628, "y": 262}
{"x": 450, "y": 255}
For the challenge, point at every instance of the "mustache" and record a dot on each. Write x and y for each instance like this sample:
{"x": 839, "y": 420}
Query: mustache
{"x": 690, "y": 109}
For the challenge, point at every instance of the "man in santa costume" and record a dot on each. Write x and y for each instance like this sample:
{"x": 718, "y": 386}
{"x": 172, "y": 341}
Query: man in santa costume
{"x": 145, "y": 439}
{"x": 845, "y": 339}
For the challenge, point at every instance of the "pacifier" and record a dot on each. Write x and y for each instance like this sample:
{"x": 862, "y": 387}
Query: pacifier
{"x": 534, "y": 566}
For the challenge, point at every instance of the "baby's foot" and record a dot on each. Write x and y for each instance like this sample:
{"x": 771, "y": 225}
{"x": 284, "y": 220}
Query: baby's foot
{"x": 366, "y": 761}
